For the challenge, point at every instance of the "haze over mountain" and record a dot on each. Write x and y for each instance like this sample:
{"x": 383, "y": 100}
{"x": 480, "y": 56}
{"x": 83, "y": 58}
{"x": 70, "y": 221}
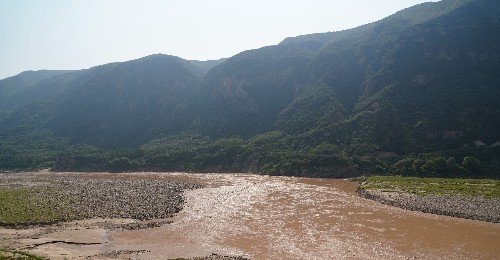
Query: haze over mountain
{"x": 422, "y": 83}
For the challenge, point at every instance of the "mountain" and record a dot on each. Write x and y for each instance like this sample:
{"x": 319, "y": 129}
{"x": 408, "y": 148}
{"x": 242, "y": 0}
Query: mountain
{"x": 421, "y": 83}
{"x": 127, "y": 103}
{"x": 15, "y": 86}
{"x": 243, "y": 95}
{"x": 431, "y": 84}
{"x": 250, "y": 89}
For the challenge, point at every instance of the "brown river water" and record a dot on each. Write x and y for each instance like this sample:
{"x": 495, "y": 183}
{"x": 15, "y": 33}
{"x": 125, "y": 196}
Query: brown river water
{"x": 265, "y": 217}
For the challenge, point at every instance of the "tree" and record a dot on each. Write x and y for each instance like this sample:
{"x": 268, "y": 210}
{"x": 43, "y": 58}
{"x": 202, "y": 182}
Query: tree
{"x": 471, "y": 164}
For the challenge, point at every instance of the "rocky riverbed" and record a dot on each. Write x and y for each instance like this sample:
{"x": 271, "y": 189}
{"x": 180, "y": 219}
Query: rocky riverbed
{"x": 76, "y": 197}
{"x": 135, "y": 199}
{"x": 469, "y": 207}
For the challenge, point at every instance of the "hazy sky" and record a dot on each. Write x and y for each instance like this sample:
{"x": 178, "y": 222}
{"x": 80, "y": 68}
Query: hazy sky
{"x": 75, "y": 34}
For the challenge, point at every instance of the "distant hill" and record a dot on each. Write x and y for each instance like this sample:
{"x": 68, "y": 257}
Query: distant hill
{"x": 422, "y": 84}
{"x": 25, "y": 81}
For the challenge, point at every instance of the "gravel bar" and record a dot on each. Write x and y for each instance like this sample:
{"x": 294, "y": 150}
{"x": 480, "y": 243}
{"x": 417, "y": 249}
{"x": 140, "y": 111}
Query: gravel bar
{"x": 118, "y": 198}
{"x": 469, "y": 207}
{"x": 108, "y": 197}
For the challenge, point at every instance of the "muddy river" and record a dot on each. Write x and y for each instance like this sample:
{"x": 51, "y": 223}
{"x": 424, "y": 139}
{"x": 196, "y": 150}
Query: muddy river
{"x": 265, "y": 217}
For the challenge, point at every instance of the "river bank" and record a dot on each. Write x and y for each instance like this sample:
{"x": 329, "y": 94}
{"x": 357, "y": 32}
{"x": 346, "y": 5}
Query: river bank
{"x": 462, "y": 198}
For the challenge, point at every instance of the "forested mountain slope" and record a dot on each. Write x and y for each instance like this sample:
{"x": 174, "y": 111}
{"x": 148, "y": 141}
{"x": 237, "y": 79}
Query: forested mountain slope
{"x": 123, "y": 104}
{"x": 420, "y": 85}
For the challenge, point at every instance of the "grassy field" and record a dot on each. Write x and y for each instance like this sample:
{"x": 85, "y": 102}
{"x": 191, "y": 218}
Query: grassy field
{"x": 17, "y": 255}
{"x": 24, "y": 206}
{"x": 473, "y": 187}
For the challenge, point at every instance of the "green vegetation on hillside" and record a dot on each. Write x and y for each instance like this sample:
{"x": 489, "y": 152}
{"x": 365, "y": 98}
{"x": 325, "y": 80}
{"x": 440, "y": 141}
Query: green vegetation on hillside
{"x": 279, "y": 153}
{"x": 414, "y": 94}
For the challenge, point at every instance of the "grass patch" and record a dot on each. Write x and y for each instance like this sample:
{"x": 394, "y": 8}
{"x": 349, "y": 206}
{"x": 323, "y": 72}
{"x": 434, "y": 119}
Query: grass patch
{"x": 26, "y": 206}
{"x": 472, "y": 187}
{"x": 6, "y": 254}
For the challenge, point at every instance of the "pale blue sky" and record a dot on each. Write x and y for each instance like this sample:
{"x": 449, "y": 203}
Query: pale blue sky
{"x": 76, "y": 34}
